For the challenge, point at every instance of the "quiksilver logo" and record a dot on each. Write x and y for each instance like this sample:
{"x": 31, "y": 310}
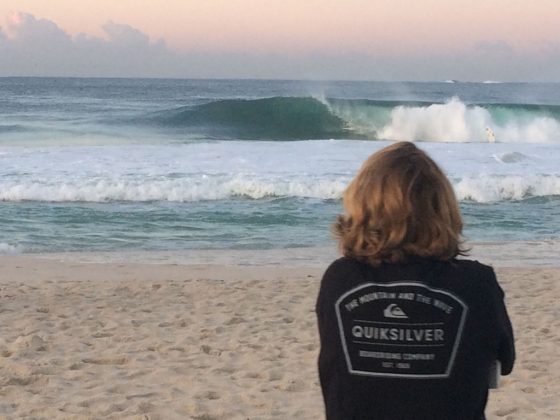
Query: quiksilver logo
{"x": 393, "y": 311}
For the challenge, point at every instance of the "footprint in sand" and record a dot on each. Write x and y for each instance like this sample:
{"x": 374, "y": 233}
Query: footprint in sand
{"x": 293, "y": 385}
{"x": 254, "y": 375}
{"x": 235, "y": 320}
{"x": 33, "y": 342}
{"x": 208, "y": 395}
{"x": 505, "y": 411}
{"x": 102, "y": 334}
{"x": 145, "y": 395}
{"x": 275, "y": 375}
{"x": 117, "y": 360}
{"x": 210, "y": 351}
{"x": 75, "y": 366}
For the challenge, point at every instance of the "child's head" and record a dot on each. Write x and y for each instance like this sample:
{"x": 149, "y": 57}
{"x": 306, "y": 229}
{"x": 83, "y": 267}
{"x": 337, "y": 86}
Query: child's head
{"x": 399, "y": 205}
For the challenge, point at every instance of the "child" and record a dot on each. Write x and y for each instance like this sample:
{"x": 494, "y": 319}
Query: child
{"x": 407, "y": 330}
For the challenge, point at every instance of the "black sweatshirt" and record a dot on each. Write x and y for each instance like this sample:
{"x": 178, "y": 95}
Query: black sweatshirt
{"x": 410, "y": 341}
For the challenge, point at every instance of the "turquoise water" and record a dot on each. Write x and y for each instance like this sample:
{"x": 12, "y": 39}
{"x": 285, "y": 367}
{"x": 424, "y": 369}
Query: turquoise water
{"x": 238, "y": 224}
{"x": 169, "y": 165}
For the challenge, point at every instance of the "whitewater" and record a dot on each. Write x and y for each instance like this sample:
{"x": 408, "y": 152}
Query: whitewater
{"x": 168, "y": 165}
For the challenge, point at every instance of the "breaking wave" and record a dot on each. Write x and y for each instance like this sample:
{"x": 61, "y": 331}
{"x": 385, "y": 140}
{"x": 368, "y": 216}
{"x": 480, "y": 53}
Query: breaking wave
{"x": 270, "y": 118}
{"x": 174, "y": 190}
{"x": 481, "y": 188}
{"x": 488, "y": 188}
{"x": 302, "y": 118}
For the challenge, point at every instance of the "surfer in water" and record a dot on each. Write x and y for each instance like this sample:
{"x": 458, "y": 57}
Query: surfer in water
{"x": 490, "y": 135}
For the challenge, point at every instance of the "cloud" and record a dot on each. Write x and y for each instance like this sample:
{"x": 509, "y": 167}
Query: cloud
{"x": 38, "y": 47}
{"x": 125, "y": 35}
{"x": 24, "y": 28}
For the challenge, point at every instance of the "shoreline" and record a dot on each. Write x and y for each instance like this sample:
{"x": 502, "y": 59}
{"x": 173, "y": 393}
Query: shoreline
{"x": 127, "y": 340}
{"x": 496, "y": 254}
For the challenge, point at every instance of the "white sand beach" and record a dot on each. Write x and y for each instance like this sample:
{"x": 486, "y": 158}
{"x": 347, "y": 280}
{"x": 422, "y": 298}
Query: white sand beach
{"x": 170, "y": 341}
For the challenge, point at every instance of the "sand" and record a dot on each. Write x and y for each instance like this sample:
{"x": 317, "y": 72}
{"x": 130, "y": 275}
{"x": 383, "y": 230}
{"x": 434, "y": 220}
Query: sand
{"x": 169, "y": 341}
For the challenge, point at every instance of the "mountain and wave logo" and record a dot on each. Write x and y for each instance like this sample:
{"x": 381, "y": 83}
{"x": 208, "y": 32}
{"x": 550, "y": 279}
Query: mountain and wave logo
{"x": 393, "y": 311}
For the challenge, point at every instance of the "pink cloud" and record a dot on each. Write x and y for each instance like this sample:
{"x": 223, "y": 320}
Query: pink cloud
{"x": 24, "y": 27}
{"x": 31, "y": 46}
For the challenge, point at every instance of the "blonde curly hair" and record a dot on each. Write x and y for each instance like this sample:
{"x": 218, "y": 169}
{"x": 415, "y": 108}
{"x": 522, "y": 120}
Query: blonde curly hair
{"x": 400, "y": 204}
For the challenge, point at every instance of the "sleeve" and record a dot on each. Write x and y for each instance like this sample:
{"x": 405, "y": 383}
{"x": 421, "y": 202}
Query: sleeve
{"x": 326, "y": 322}
{"x": 506, "y": 344}
{"x": 330, "y": 354}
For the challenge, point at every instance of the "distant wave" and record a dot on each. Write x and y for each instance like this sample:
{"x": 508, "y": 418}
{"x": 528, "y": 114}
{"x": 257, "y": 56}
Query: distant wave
{"x": 482, "y": 188}
{"x": 284, "y": 118}
{"x": 12, "y": 128}
{"x": 510, "y": 157}
{"x": 304, "y": 118}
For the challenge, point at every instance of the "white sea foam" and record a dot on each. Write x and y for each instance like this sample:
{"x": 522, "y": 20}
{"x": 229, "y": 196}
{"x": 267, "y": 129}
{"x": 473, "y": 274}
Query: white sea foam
{"x": 7, "y": 249}
{"x": 255, "y": 170}
{"x": 451, "y": 121}
{"x": 174, "y": 190}
{"x": 488, "y": 188}
{"x": 481, "y": 188}
{"x": 537, "y": 130}
{"x": 454, "y": 121}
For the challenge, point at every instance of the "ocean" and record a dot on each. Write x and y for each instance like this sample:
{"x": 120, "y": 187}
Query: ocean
{"x": 148, "y": 166}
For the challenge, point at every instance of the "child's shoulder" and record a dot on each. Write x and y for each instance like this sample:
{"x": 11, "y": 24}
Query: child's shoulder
{"x": 473, "y": 265}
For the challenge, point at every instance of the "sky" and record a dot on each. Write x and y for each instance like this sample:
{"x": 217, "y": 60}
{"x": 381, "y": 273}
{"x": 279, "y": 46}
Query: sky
{"x": 404, "y": 40}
